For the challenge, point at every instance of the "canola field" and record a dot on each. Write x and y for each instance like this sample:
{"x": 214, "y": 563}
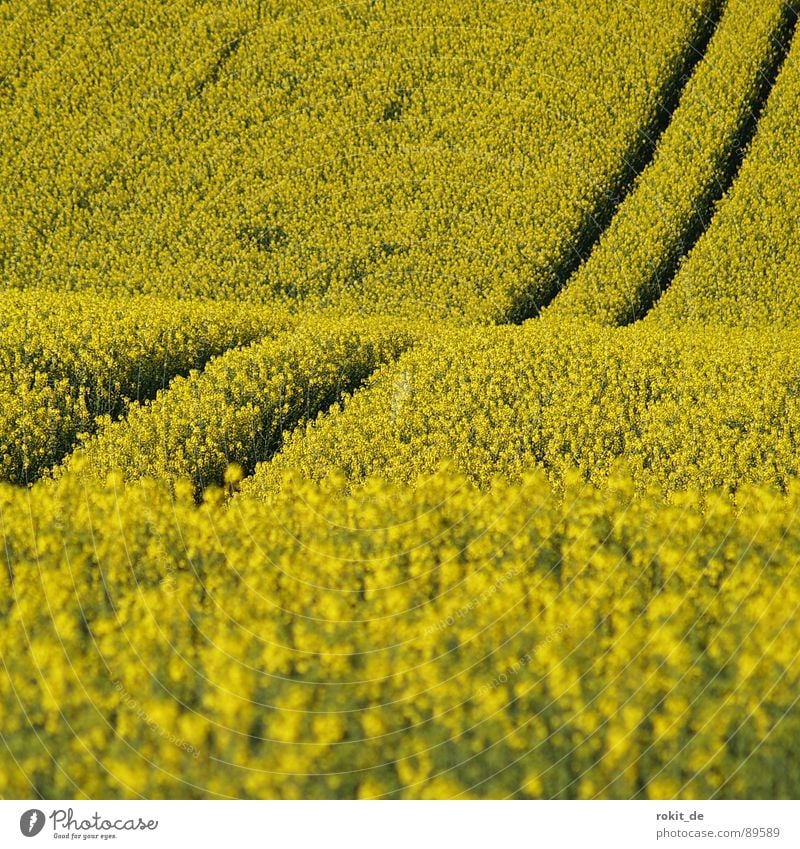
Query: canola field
{"x": 399, "y": 400}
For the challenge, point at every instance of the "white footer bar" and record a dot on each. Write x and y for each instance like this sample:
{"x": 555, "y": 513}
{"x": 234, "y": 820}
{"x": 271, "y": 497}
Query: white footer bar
{"x": 402, "y": 825}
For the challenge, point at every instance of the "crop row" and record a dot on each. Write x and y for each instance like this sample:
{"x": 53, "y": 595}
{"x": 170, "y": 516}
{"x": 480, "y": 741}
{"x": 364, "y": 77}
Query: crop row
{"x": 67, "y": 359}
{"x": 238, "y": 407}
{"x": 687, "y": 406}
{"x": 673, "y": 198}
{"x": 744, "y": 268}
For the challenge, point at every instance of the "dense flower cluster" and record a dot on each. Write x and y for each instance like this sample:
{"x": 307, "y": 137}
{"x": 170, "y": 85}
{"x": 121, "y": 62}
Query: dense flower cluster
{"x": 695, "y": 406}
{"x": 67, "y": 359}
{"x": 429, "y": 641}
{"x": 448, "y": 158}
{"x": 239, "y": 407}
{"x": 673, "y": 197}
{"x": 39, "y": 422}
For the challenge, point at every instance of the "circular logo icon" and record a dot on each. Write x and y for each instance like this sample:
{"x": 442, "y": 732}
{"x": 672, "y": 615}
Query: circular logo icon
{"x": 31, "y": 822}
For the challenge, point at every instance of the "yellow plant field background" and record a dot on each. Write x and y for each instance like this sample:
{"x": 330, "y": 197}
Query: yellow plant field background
{"x": 399, "y": 400}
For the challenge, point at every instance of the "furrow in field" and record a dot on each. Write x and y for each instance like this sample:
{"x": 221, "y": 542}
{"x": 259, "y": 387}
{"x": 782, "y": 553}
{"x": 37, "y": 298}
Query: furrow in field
{"x": 237, "y": 409}
{"x": 683, "y": 407}
{"x": 375, "y": 158}
{"x": 743, "y": 269}
{"x": 66, "y": 359}
{"x": 697, "y": 159}
{"x": 598, "y": 217}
